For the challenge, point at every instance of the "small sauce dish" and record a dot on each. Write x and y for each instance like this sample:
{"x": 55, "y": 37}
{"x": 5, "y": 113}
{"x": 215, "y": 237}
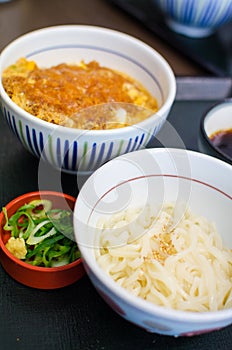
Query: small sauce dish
{"x": 216, "y": 131}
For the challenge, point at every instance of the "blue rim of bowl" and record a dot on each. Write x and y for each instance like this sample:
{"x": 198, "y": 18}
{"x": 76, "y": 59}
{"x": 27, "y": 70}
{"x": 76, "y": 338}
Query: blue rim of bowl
{"x": 110, "y": 51}
{"x": 213, "y": 148}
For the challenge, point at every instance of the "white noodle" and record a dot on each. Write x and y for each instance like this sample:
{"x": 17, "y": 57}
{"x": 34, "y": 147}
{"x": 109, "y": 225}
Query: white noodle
{"x": 179, "y": 265}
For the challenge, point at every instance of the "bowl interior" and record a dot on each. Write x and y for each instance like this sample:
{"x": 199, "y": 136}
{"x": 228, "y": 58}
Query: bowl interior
{"x": 170, "y": 176}
{"x": 73, "y": 43}
{"x": 216, "y": 127}
{"x": 218, "y": 118}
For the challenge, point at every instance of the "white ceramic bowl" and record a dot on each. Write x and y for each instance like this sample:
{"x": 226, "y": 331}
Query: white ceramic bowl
{"x": 195, "y": 18}
{"x": 154, "y": 176}
{"x": 75, "y": 150}
{"x": 217, "y": 119}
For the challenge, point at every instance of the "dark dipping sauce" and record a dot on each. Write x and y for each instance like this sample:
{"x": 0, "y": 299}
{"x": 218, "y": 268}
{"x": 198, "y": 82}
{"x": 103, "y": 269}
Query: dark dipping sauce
{"x": 223, "y": 141}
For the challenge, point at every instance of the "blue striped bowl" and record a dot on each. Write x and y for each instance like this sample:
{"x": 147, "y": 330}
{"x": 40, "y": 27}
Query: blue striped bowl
{"x": 74, "y": 150}
{"x": 195, "y": 18}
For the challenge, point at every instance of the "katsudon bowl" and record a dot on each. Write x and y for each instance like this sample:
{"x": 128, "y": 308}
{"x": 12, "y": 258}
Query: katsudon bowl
{"x": 78, "y": 150}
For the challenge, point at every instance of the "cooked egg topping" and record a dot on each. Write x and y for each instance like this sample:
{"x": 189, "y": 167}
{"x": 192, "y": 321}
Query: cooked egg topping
{"x": 84, "y": 95}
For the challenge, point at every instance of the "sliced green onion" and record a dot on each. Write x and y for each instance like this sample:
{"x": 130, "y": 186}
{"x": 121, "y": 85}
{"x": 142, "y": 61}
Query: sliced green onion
{"x": 18, "y": 230}
{"x": 32, "y": 239}
{"x": 7, "y": 226}
{"x": 36, "y": 211}
{"x": 47, "y": 242}
{"x": 48, "y": 233}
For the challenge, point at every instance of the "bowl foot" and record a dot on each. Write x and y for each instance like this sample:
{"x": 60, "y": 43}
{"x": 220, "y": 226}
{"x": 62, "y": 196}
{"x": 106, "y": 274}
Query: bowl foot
{"x": 193, "y": 32}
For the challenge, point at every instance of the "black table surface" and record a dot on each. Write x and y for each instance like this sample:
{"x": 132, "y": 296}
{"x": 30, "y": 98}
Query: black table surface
{"x": 75, "y": 317}
{"x": 214, "y": 52}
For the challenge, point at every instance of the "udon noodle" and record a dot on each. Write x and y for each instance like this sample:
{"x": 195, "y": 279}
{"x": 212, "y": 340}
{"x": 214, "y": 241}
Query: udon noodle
{"x": 180, "y": 265}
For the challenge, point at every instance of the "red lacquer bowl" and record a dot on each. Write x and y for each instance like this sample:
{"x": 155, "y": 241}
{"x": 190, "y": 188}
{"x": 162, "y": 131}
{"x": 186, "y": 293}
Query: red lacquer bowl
{"x": 34, "y": 276}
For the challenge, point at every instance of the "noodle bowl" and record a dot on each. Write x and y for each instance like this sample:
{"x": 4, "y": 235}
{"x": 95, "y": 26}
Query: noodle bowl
{"x": 182, "y": 286}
